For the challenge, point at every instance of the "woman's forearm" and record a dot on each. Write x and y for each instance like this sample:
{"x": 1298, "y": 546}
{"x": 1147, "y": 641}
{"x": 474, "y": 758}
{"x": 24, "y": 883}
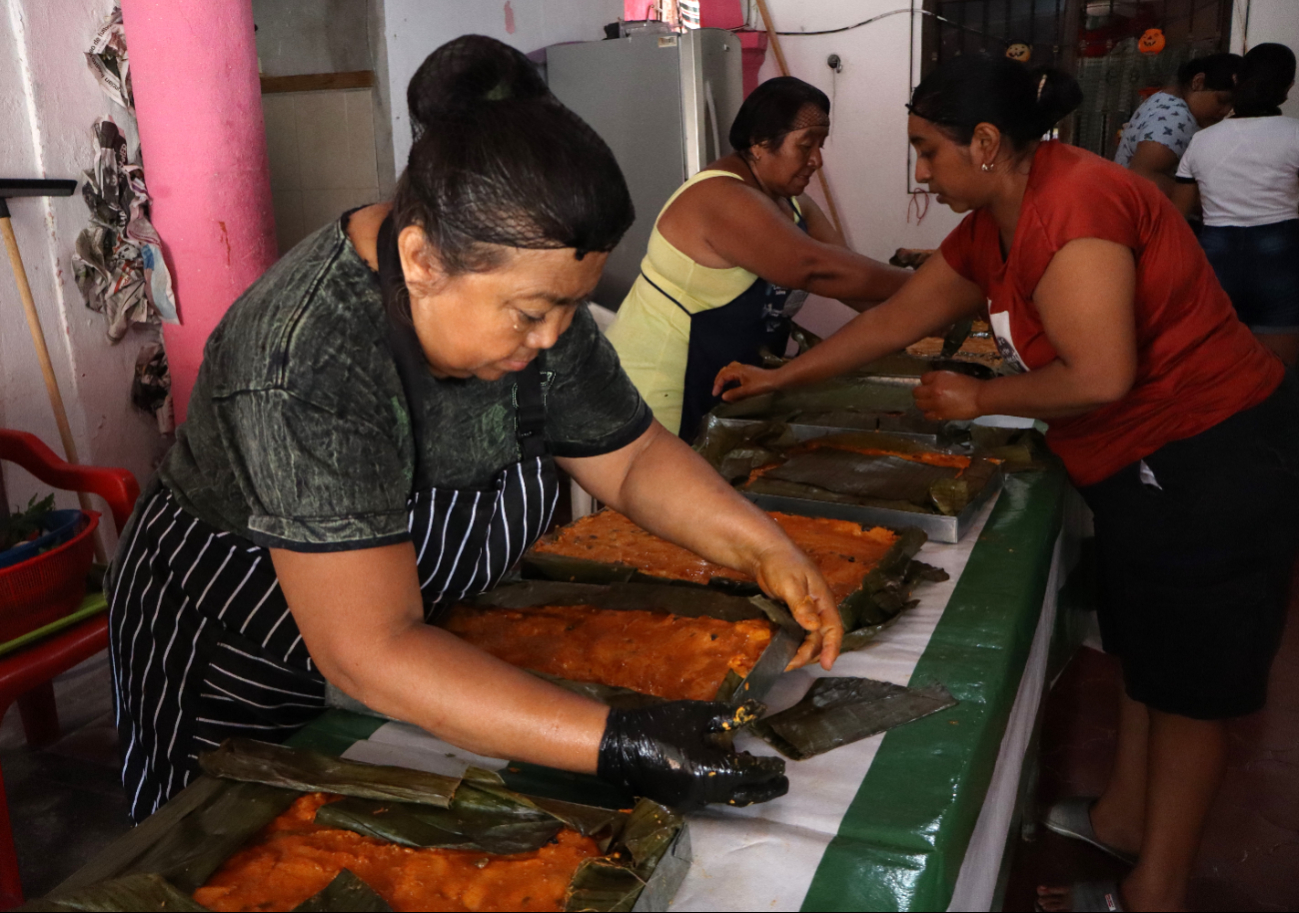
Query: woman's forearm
{"x": 362, "y": 620}
{"x": 671, "y": 491}
{"x": 1054, "y": 391}
{"x": 427, "y": 676}
{"x": 848, "y": 276}
{"x": 870, "y": 335}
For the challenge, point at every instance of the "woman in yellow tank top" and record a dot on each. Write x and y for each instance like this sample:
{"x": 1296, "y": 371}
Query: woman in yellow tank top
{"x": 732, "y": 256}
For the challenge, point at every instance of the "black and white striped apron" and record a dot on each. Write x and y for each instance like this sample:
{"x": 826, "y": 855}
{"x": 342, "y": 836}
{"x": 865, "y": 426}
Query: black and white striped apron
{"x": 202, "y": 642}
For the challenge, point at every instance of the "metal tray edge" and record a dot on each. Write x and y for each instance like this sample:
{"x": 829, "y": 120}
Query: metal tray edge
{"x": 947, "y": 530}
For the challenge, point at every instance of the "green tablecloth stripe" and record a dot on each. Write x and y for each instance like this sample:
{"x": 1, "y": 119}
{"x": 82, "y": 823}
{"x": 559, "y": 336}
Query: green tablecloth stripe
{"x": 335, "y": 731}
{"x": 902, "y": 840}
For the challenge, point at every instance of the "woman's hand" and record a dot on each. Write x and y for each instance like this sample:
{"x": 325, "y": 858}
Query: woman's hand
{"x": 680, "y": 754}
{"x": 946, "y": 395}
{"x": 752, "y": 382}
{"x": 786, "y": 573}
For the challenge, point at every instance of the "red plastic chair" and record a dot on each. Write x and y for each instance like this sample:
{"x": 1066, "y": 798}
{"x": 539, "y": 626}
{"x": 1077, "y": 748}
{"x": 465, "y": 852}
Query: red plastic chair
{"x": 27, "y": 676}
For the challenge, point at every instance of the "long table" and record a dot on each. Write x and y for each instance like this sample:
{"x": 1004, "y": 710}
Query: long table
{"x": 915, "y": 818}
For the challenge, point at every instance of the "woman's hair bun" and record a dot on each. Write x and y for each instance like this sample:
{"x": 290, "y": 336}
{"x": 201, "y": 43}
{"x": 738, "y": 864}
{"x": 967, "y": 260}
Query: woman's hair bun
{"x": 467, "y": 74}
{"x": 1023, "y": 104}
{"x": 1057, "y": 95}
{"x": 498, "y": 161}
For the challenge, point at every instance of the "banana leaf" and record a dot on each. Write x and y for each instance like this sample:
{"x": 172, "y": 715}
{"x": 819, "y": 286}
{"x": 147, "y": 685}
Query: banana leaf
{"x": 345, "y": 892}
{"x": 615, "y": 882}
{"x": 133, "y": 892}
{"x": 498, "y": 820}
{"x": 860, "y": 477}
{"x": 203, "y": 840}
{"x": 735, "y": 449}
{"x": 406, "y": 824}
{"x": 850, "y": 393}
{"x": 885, "y": 591}
{"x": 307, "y": 771}
{"x": 839, "y": 711}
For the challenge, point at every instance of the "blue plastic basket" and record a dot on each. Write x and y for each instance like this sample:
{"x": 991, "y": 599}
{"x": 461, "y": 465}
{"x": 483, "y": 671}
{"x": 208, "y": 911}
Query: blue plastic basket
{"x": 59, "y": 526}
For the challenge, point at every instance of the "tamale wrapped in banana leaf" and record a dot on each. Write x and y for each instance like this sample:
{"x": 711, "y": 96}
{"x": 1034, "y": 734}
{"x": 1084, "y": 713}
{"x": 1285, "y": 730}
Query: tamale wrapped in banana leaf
{"x": 840, "y": 710}
{"x": 870, "y": 571}
{"x": 321, "y": 841}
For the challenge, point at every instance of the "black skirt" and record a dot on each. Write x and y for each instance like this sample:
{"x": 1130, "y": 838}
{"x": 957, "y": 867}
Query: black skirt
{"x": 1196, "y": 547}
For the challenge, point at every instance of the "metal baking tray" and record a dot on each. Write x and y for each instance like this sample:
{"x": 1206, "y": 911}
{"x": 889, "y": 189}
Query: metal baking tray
{"x": 939, "y": 528}
{"x": 953, "y": 436}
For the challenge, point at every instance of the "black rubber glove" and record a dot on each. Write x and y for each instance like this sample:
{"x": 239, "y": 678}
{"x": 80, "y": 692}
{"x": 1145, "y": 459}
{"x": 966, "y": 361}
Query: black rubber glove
{"x": 680, "y": 754}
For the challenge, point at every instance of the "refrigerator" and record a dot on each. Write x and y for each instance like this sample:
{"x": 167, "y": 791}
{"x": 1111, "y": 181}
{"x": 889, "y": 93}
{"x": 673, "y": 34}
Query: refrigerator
{"x": 664, "y": 102}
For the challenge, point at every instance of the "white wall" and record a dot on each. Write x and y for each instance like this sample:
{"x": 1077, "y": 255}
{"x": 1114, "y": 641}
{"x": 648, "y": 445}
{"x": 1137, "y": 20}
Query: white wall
{"x": 321, "y": 147}
{"x": 1267, "y": 20}
{"x": 413, "y": 29}
{"x": 48, "y": 103}
{"x": 866, "y": 157}
{"x": 312, "y": 36}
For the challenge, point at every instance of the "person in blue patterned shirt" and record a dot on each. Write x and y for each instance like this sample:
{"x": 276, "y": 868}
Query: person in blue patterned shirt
{"x": 1159, "y": 131}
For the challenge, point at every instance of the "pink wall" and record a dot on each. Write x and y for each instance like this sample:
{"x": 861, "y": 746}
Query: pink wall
{"x": 199, "y": 104}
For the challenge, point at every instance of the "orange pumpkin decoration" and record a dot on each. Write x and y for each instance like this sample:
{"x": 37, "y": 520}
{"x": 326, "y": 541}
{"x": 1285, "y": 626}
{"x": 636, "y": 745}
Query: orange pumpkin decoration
{"x": 1151, "y": 42}
{"x": 1019, "y": 50}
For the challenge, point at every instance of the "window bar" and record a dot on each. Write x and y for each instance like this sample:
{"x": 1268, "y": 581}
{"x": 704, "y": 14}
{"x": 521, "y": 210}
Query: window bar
{"x": 964, "y": 8}
{"x": 1032, "y": 25}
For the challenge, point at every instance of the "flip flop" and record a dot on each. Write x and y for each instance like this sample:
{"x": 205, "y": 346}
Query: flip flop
{"x": 1072, "y": 818}
{"x": 1093, "y": 897}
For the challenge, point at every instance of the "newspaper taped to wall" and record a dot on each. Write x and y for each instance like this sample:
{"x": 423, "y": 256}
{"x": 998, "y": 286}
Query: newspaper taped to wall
{"x": 151, "y": 388}
{"x": 118, "y": 262}
{"x": 108, "y": 60}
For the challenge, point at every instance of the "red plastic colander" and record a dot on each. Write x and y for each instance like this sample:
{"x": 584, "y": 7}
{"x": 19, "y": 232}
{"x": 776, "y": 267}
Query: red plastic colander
{"x": 45, "y": 588}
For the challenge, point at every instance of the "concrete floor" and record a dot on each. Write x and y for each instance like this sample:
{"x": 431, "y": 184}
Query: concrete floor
{"x": 66, "y": 801}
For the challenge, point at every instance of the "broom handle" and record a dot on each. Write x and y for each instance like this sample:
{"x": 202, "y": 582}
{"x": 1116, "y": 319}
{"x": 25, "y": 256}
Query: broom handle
{"x": 43, "y": 355}
{"x": 784, "y": 71}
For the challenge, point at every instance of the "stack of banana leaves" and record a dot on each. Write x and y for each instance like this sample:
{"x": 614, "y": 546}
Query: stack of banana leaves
{"x": 633, "y": 859}
{"x": 868, "y": 469}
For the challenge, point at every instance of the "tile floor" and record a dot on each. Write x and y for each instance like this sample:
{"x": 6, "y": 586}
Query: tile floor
{"x": 66, "y": 801}
{"x": 1249, "y": 859}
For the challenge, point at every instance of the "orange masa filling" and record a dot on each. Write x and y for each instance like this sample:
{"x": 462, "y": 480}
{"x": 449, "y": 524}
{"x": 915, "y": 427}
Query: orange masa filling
{"x": 670, "y": 656}
{"x": 929, "y": 457}
{"x": 293, "y": 858}
{"x": 844, "y": 551}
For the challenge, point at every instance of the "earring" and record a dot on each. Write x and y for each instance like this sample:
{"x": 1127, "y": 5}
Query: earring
{"x": 986, "y": 167}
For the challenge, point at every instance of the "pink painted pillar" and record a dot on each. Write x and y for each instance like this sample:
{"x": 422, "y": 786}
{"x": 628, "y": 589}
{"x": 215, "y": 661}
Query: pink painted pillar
{"x": 198, "y": 100}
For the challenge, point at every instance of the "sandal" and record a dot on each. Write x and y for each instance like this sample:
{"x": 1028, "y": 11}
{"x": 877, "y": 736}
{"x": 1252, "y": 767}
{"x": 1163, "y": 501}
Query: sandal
{"x": 1073, "y": 818}
{"x": 1092, "y": 897}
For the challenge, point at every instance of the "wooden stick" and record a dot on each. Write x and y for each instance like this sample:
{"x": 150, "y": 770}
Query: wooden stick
{"x": 47, "y": 368}
{"x": 784, "y": 71}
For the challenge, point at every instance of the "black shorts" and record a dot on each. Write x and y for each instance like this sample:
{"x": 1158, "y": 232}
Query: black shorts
{"x": 1195, "y": 559}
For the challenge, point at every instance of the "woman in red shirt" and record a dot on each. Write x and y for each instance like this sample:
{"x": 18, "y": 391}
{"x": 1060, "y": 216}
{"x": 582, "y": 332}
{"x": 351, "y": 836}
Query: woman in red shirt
{"x": 1180, "y": 430}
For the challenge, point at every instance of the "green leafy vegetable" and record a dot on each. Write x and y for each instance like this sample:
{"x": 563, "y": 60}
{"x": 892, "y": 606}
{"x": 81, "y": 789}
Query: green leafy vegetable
{"x": 25, "y": 524}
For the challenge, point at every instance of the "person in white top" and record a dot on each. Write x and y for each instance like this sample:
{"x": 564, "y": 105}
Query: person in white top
{"x": 1244, "y": 174}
